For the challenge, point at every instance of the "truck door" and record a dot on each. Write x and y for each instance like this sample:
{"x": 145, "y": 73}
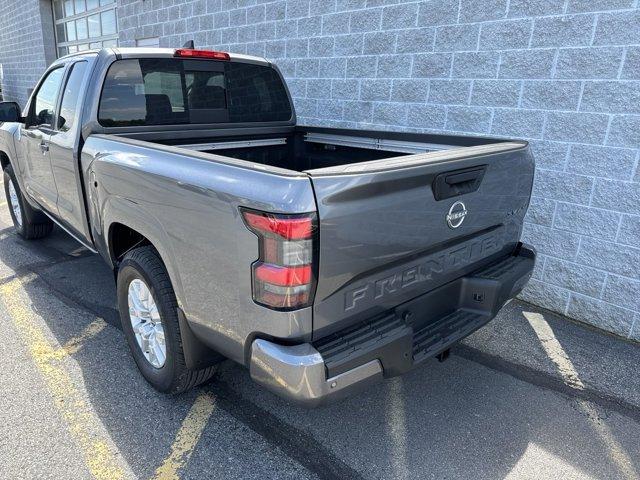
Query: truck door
{"x": 63, "y": 149}
{"x": 35, "y": 136}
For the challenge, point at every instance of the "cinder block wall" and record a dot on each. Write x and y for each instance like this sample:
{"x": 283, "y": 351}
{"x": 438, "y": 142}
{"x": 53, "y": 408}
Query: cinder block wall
{"x": 27, "y": 45}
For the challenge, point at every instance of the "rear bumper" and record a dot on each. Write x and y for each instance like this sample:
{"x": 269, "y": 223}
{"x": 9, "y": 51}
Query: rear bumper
{"x": 393, "y": 343}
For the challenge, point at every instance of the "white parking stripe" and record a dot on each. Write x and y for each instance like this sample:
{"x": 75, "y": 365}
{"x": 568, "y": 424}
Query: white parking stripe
{"x": 554, "y": 350}
{"x": 397, "y": 428}
{"x": 567, "y": 371}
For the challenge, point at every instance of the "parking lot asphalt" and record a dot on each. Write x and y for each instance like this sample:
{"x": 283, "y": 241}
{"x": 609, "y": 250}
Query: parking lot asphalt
{"x": 531, "y": 395}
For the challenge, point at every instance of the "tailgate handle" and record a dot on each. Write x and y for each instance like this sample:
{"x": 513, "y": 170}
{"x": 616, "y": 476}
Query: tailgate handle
{"x": 458, "y": 182}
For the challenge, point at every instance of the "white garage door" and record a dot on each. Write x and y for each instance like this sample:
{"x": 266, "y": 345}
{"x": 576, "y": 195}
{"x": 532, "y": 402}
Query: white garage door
{"x": 85, "y": 24}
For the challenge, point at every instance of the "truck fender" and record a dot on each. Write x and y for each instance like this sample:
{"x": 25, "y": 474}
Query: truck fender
{"x": 132, "y": 215}
{"x": 9, "y": 155}
{"x": 118, "y": 210}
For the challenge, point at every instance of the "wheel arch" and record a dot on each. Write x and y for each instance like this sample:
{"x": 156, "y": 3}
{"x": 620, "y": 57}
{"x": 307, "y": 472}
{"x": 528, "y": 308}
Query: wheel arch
{"x": 122, "y": 239}
{"x": 8, "y": 158}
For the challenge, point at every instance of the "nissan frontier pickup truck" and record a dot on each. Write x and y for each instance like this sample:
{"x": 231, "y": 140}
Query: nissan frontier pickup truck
{"x": 322, "y": 259}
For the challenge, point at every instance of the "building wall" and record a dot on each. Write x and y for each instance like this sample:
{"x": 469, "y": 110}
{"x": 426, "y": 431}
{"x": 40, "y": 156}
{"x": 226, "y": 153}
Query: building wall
{"x": 27, "y": 45}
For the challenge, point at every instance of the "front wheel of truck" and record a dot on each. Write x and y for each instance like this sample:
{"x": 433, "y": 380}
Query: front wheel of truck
{"x": 149, "y": 316}
{"x": 29, "y": 222}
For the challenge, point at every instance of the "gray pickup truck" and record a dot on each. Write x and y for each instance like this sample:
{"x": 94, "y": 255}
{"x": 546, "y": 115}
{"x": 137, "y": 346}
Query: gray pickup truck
{"x": 322, "y": 259}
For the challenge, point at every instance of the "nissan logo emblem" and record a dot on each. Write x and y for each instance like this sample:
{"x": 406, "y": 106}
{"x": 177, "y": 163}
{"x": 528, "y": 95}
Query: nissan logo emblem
{"x": 456, "y": 215}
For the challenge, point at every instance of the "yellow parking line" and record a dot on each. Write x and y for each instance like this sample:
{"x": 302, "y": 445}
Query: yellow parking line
{"x": 99, "y": 454}
{"x": 569, "y": 374}
{"x": 75, "y": 343}
{"x": 90, "y": 331}
{"x": 187, "y": 437}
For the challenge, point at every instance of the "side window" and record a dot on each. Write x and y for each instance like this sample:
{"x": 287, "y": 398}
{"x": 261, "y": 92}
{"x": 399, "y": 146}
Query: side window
{"x": 68, "y": 109}
{"x": 44, "y": 103}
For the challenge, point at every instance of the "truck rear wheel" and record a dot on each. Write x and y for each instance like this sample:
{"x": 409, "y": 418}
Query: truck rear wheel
{"x": 149, "y": 316}
{"x": 29, "y": 222}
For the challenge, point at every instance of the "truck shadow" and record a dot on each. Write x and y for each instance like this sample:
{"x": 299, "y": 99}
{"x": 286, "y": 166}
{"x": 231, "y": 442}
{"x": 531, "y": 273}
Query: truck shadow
{"x": 452, "y": 420}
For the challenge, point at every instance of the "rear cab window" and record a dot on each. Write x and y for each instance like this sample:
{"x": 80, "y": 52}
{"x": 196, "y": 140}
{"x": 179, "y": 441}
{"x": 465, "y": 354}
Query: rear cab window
{"x": 165, "y": 91}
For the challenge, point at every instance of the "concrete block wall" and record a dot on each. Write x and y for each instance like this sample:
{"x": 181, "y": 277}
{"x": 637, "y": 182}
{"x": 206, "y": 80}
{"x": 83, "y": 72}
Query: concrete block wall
{"x": 27, "y": 45}
{"x": 563, "y": 74}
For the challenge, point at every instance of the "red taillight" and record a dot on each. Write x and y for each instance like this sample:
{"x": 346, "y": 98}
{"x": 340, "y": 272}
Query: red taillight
{"x": 283, "y": 276}
{"x": 291, "y": 228}
{"x": 190, "y": 53}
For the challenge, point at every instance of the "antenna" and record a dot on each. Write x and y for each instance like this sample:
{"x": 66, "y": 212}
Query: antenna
{"x": 189, "y": 44}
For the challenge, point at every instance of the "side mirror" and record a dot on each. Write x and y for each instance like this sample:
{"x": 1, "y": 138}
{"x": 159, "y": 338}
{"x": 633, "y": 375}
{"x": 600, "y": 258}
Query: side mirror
{"x": 10, "y": 112}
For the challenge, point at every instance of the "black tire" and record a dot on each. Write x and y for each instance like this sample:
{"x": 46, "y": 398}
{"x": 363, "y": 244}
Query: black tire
{"x": 145, "y": 264}
{"x": 32, "y": 223}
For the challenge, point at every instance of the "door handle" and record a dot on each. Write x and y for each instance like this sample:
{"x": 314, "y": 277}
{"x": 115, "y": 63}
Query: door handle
{"x": 458, "y": 182}
{"x": 44, "y": 147}
{"x": 461, "y": 178}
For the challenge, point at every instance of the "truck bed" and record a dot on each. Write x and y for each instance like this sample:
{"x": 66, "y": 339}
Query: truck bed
{"x": 303, "y": 149}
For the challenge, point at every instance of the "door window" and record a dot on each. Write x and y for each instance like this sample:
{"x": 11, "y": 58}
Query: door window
{"x": 44, "y": 103}
{"x": 69, "y": 107}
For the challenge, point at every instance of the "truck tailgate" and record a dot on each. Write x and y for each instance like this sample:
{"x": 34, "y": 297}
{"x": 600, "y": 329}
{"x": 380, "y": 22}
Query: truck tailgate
{"x": 391, "y": 230}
